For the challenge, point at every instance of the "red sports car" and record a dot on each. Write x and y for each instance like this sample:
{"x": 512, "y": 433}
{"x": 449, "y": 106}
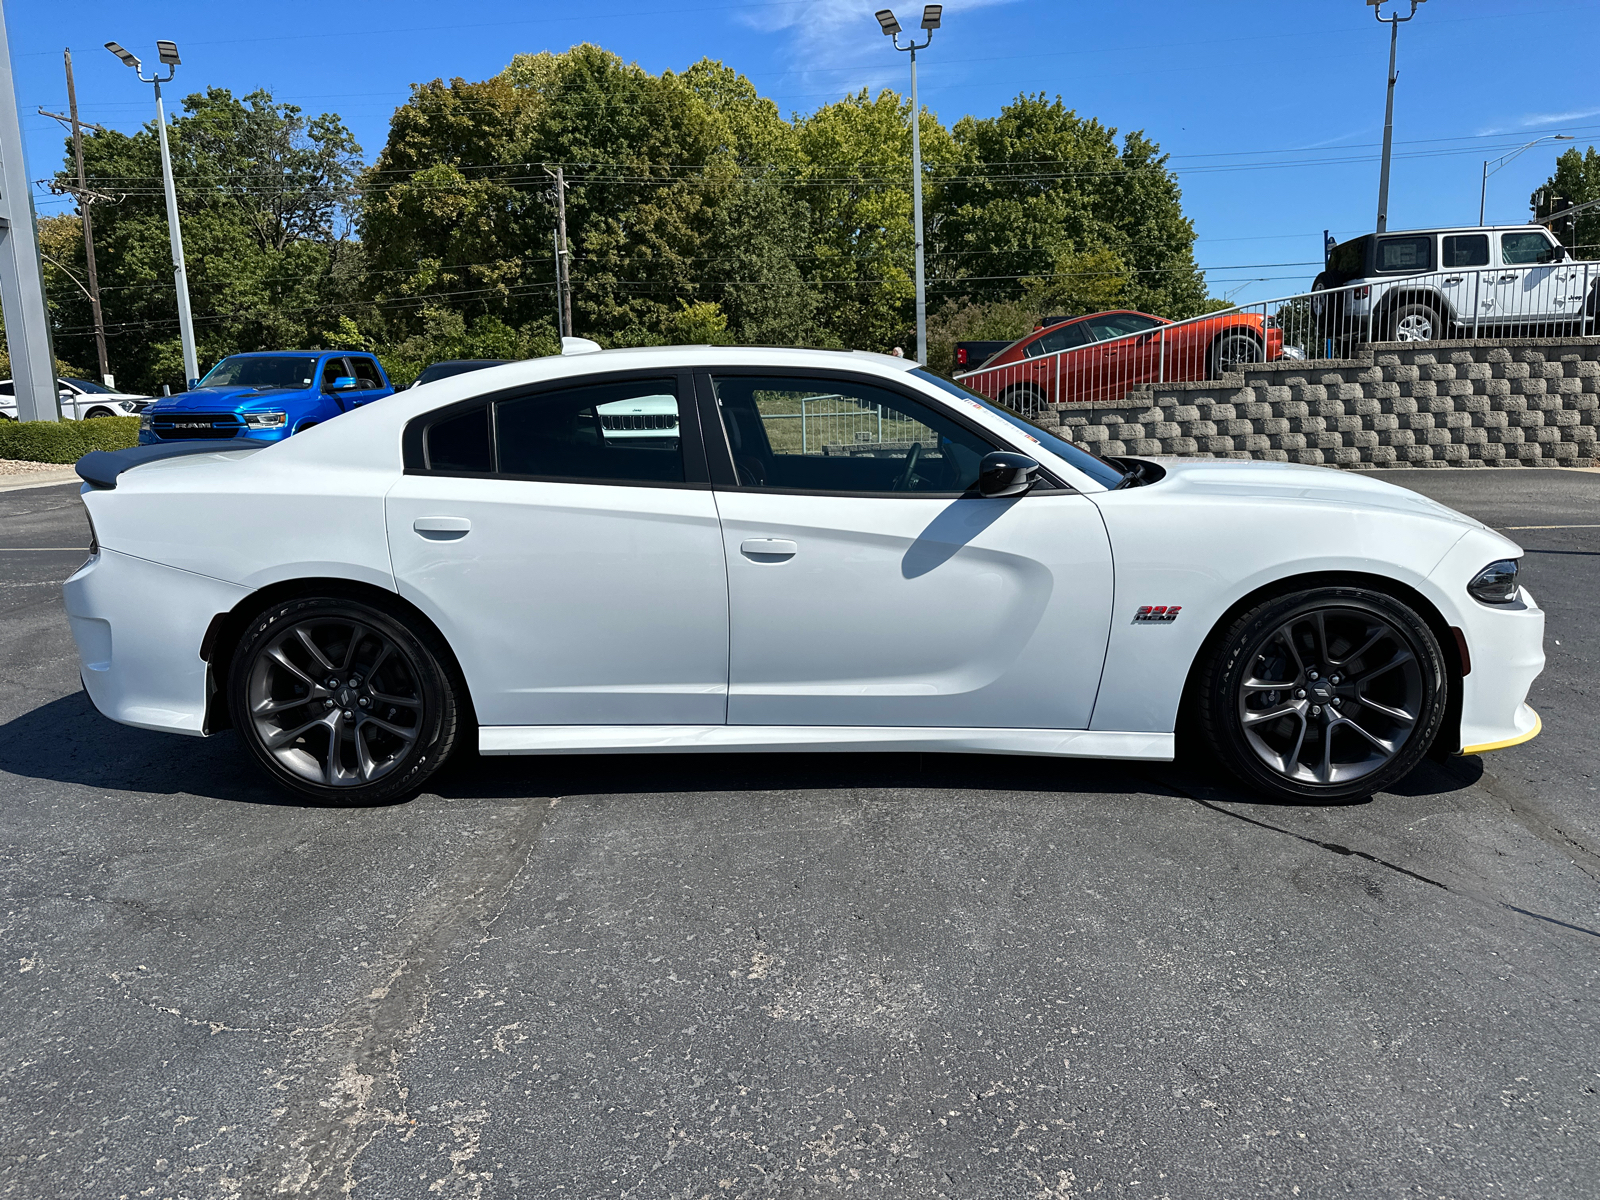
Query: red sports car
{"x": 1098, "y": 359}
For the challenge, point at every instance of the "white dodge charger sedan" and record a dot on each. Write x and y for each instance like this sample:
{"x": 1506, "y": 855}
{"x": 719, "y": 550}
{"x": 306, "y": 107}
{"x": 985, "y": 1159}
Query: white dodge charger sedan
{"x": 709, "y": 548}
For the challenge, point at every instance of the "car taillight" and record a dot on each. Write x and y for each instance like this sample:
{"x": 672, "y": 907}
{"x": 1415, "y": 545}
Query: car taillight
{"x": 1360, "y": 293}
{"x": 961, "y": 356}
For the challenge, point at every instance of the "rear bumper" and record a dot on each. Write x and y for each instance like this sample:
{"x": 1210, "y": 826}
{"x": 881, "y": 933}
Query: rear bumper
{"x": 138, "y": 628}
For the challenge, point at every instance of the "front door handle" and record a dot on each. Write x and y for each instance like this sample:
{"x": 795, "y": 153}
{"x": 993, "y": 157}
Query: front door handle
{"x": 442, "y": 529}
{"x": 1454, "y": 279}
{"x": 768, "y": 550}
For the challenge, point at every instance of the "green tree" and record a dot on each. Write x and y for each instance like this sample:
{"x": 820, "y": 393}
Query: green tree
{"x": 1577, "y": 177}
{"x": 1044, "y": 202}
{"x": 261, "y": 193}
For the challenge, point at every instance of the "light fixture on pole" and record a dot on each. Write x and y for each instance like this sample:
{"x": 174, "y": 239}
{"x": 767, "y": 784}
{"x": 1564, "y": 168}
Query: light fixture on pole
{"x": 167, "y": 53}
{"x": 931, "y": 16}
{"x": 1394, "y": 24}
{"x": 1490, "y": 166}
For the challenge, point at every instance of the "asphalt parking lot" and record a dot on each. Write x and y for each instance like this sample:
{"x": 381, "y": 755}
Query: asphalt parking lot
{"x": 797, "y": 976}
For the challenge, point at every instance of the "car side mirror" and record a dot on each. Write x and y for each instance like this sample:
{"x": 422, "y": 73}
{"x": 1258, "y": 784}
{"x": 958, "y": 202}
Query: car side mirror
{"x": 344, "y": 383}
{"x": 1006, "y": 473}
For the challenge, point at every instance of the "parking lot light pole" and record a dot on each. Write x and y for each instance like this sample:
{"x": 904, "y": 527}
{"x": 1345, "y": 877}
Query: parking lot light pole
{"x": 1393, "y": 23}
{"x": 931, "y": 16}
{"x": 1490, "y": 166}
{"x": 168, "y": 53}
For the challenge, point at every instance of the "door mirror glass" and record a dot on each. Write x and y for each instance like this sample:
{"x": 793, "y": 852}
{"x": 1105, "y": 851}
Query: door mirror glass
{"x": 344, "y": 383}
{"x": 1006, "y": 473}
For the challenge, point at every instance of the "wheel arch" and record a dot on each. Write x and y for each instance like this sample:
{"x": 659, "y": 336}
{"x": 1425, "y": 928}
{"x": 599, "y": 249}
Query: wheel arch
{"x": 222, "y": 637}
{"x": 1451, "y": 643}
{"x": 1401, "y": 295}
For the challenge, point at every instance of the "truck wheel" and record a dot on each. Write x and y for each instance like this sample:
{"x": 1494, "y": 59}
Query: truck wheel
{"x": 1416, "y": 322}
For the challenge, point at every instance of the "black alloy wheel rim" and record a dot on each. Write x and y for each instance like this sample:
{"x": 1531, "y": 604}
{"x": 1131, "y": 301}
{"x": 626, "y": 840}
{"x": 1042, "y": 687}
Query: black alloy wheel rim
{"x": 335, "y": 701}
{"x": 1330, "y": 696}
{"x": 1236, "y": 350}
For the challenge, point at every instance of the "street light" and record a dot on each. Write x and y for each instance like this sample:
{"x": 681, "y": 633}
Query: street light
{"x": 1490, "y": 166}
{"x": 932, "y": 14}
{"x": 1394, "y": 24}
{"x": 167, "y": 52}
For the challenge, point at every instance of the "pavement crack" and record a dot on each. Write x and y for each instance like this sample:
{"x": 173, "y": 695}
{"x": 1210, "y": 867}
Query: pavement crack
{"x": 345, "y": 1088}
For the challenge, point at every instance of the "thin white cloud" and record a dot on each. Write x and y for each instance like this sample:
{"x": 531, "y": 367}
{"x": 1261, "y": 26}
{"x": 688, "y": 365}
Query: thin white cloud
{"x": 1536, "y": 120}
{"x": 840, "y": 47}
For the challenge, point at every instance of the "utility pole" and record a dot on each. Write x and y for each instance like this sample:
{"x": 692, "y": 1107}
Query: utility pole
{"x": 1393, "y": 23}
{"x": 85, "y": 198}
{"x": 563, "y": 252}
{"x": 167, "y": 52}
{"x": 932, "y": 15}
{"x": 33, "y": 362}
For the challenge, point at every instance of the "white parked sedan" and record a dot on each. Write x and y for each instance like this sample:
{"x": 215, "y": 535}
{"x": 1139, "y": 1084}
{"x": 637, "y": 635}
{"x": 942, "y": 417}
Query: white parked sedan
{"x": 80, "y": 400}
{"x": 810, "y": 551}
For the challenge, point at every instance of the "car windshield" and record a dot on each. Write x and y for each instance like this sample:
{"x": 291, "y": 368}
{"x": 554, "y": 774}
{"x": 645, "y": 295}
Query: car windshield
{"x": 1096, "y": 469}
{"x": 83, "y": 385}
{"x": 288, "y": 371}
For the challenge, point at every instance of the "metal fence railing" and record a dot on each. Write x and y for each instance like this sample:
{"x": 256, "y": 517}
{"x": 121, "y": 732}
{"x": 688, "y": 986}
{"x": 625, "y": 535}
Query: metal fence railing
{"x": 1533, "y": 300}
{"x": 836, "y": 424}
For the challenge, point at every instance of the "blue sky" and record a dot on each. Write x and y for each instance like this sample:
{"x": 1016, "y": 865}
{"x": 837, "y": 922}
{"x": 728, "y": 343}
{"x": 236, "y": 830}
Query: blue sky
{"x": 1273, "y": 113}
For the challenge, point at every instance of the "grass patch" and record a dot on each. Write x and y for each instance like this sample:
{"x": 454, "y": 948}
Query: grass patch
{"x": 65, "y": 441}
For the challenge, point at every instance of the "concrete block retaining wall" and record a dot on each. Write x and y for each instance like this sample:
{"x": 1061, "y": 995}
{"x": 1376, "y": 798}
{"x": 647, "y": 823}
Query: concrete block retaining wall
{"x": 1531, "y": 402}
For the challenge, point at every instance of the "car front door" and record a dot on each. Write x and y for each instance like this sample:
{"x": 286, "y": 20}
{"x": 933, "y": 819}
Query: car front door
{"x": 869, "y": 585}
{"x": 1532, "y": 287}
{"x": 577, "y": 575}
{"x": 1126, "y": 358}
{"x": 1060, "y": 364}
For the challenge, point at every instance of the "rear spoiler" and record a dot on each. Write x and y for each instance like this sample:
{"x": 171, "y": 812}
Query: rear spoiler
{"x": 100, "y": 468}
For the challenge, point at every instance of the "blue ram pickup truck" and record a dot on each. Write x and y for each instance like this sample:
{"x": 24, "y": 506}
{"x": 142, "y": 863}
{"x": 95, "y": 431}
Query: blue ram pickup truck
{"x": 266, "y": 396}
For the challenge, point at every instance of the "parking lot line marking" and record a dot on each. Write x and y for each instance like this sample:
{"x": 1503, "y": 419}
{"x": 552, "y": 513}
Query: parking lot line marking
{"x": 1515, "y": 527}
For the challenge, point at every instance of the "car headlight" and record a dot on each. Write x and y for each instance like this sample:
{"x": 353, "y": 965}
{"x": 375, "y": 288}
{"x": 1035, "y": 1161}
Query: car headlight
{"x": 264, "y": 420}
{"x": 1496, "y": 583}
{"x": 145, "y": 423}
{"x": 128, "y": 406}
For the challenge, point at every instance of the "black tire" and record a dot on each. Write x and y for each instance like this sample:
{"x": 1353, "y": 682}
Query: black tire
{"x": 1266, "y": 696}
{"x": 1023, "y": 398}
{"x": 1232, "y": 349}
{"x": 1416, "y": 321}
{"x": 342, "y": 701}
{"x": 96, "y": 413}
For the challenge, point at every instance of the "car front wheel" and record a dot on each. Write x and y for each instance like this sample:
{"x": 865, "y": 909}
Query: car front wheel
{"x": 1324, "y": 695}
{"x": 341, "y": 701}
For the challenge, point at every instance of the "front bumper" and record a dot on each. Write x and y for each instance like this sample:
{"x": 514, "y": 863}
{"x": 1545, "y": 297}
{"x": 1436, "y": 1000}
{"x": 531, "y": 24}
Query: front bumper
{"x": 1506, "y": 645}
{"x": 138, "y": 628}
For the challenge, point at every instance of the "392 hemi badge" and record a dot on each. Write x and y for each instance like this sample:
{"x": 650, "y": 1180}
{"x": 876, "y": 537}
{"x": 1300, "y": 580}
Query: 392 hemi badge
{"x": 1157, "y": 612}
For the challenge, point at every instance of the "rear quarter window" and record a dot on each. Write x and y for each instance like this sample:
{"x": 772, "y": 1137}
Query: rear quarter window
{"x": 1413, "y": 253}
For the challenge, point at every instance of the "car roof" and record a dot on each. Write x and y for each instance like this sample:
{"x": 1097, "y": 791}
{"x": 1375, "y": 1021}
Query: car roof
{"x": 1526, "y": 227}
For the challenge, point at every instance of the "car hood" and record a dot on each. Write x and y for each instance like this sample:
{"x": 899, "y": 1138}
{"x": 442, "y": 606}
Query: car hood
{"x": 223, "y": 399}
{"x": 1269, "y": 481}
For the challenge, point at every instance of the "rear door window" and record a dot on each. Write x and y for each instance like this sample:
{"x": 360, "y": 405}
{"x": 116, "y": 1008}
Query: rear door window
{"x": 1411, "y": 253}
{"x": 368, "y": 377}
{"x": 628, "y": 432}
{"x": 460, "y": 443}
{"x": 1114, "y": 325}
{"x": 1465, "y": 250}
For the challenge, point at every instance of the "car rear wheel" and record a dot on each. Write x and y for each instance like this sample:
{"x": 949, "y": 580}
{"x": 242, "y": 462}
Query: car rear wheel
{"x": 1022, "y": 398}
{"x": 341, "y": 701}
{"x": 1415, "y": 323}
{"x": 1233, "y": 350}
{"x": 1324, "y": 695}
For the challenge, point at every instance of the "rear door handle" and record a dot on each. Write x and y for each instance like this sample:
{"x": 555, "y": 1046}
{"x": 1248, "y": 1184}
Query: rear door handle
{"x": 442, "y": 529}
{"x": 768, "y": 550}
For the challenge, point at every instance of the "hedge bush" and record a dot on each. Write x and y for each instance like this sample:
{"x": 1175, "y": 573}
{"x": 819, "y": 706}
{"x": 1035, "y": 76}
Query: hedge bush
{"x": 65, "y": 441}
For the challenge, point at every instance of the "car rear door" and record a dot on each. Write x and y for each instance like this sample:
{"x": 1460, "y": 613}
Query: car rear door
{"x": 1465, "y": 281}
{"x": 578, "y": 576}
{"x": 869, "y": 586}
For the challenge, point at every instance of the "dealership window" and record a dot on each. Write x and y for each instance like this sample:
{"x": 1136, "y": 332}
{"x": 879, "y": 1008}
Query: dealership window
{"x": 837, "y": 435}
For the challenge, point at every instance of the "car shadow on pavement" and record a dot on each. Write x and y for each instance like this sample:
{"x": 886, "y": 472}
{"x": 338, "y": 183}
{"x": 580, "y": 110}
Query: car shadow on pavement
{"x": 67, "y": 741}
